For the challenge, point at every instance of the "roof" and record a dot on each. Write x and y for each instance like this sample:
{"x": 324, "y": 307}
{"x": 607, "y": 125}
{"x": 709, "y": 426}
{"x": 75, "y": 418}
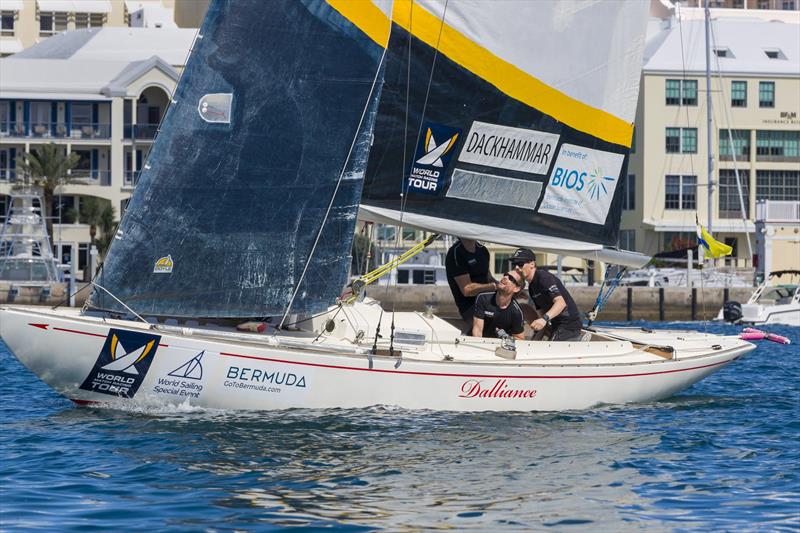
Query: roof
{"x": 75, "y": 79}
{"x": 116, "y": 44}
{"x": 746, "y": 42}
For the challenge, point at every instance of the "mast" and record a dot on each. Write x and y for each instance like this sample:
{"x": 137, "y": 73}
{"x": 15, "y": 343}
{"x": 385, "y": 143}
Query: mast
{"x": 709, "y": 124}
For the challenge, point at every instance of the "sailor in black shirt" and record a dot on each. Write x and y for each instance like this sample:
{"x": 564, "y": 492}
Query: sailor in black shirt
{"x": 550, "y": 299}
{"x": 498, "y": 310}
{"x": 467, "y": 266}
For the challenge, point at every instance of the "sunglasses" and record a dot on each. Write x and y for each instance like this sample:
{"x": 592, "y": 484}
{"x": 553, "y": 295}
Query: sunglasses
{"x": 518, "y": 282}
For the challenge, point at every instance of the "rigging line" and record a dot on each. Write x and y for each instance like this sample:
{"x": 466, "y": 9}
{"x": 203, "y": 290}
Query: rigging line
{"x": 122, "y": 304}
{"x": 688, "y": 122}
{"x": 733, "y": 153}
{"x": 335, "y": 190}
{"x": 404, "y": 197}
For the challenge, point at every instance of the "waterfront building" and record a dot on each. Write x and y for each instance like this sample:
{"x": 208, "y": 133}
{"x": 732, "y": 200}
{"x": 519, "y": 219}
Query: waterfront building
{"x": 99, "y": 93}
{"x": 755, "y": 93}
{"x": 24, "y": 23}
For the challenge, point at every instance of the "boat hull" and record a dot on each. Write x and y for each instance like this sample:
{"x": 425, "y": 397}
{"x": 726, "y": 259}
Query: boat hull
{"x": 103, "y": 362}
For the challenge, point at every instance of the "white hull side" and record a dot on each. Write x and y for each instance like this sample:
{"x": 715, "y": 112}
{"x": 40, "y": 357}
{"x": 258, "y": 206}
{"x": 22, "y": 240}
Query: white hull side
{"x": 63, "y": 352}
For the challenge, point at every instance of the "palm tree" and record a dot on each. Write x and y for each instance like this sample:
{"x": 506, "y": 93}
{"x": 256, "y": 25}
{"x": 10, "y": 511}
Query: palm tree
{"x": 92, "y": 212}
{"x": 108, "y": 227}
{"x": 48, "y": 168}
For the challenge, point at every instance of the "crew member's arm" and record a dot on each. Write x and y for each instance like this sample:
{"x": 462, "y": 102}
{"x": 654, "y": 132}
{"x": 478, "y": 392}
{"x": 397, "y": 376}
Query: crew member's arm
{"x": 470, "y": 288}
{"x": 559, "y": 304}
{"x": 477, "y": 327}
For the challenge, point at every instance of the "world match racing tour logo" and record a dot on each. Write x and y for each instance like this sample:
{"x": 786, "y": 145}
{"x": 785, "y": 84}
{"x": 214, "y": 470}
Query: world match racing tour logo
{"x": 122, "y": 364}
{"x": 432, "y": 158}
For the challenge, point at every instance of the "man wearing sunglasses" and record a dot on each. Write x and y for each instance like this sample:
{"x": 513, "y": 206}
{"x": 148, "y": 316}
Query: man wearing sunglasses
{"x": 552, "y": 301}
{"x": 498, "y": 310}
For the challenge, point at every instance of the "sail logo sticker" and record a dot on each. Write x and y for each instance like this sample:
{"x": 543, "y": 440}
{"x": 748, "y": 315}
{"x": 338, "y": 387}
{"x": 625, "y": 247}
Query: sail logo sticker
{"x": 582, "y": 184}
{"x": 523, "y": 150}
{"x": 122, "y": 364}
{"x": 163, "y": 265}
{"x": 432, "y": 158}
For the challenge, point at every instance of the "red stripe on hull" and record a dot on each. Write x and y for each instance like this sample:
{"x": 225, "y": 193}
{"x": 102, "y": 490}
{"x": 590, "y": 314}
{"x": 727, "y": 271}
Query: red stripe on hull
{"x": 444, "y": 374}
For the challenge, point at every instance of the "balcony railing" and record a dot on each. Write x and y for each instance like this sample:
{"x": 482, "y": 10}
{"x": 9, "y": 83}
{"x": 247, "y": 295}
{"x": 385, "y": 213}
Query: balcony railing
{"x": 8, "y": 174}
{"x": 55, "y": 130}
{"x": 91, "y": 177}
{"x": 778, "y": 211}
{"x": 141, "y": 132}
{"x": 131, "y": 178}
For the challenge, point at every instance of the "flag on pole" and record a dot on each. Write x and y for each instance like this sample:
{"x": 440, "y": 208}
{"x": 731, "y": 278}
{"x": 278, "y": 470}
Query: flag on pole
{"x": 713, "y": 248}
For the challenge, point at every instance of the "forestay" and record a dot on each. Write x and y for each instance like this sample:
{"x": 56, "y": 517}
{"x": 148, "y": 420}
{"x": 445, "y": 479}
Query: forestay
{"x": 508, "y": 121}
{"x": 245, "y": 165}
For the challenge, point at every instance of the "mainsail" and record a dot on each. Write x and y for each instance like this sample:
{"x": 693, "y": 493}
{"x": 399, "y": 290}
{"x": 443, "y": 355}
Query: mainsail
{"x": 508, "y": 121}
{"x": 277, "y": 97}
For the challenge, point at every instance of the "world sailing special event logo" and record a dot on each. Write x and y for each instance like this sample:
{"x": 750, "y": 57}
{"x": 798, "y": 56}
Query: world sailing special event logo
{"x": 432, "y": 158}
{"x": 122, "y": 364}
{"x": 582, "y": 184}
{"x": 184, "y": 381}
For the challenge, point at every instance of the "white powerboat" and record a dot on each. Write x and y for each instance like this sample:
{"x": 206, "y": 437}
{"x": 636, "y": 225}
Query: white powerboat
{"x": 769, "y": 304}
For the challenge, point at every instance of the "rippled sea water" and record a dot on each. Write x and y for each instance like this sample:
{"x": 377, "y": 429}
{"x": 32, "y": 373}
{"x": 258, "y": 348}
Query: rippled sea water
{"x": 723, "y": 455}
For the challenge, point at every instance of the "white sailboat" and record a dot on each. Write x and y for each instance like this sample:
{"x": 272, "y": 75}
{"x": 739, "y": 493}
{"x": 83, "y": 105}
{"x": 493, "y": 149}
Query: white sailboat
{"x": 452, "y": 117}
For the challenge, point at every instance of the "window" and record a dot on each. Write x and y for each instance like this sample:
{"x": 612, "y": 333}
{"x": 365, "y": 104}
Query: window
{"x": 730, "y": 259}
{"x": 424, "y": 277}
{"x": 741, "y": 145}
{"x": 766, "y": 94}
{"x": 89, "y": 20}
{"x": 681, "y": 92}
{"x": 5, "y": 164}
{"x": 738, "y": 94}
{"x": 52, "y": 22}
{"x": 681, "y": 140}
{"x": 722, "y": 52}
{"x": 689, "y": 92}
{"x": 83, "y": 168}
{"x": 673, "y": 140}
{"x": 789, "y": 5}
{"x": 6, "y": 23}
{"x": 83, "y": 255}
{"x": 777, "y": 185}
{"x": 402, "y": 277}
{"x": 81, "y": 115}
{"x": 680, "y": 192}
{"x": 629, "y": 194}
{"x": 63, "y": 209}
{"x": 501, "y": 262}
{"x": 689, "y": 140}
{"x": 627, "y": 239}
{"x": 679, "y": 240}
{"x": 409, "y": 234}
{"x": 386, "y": 233}
{"x": 729, "y": 205}
{"x": 673, "y": 92}
{"x": 777, "y": 145}
{"x": 5, "y": 118}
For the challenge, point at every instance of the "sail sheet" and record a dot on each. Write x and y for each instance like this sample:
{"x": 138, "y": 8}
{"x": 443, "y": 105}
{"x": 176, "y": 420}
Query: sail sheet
{"x": 277, "y": 97}
{"x": 508, "y": 121}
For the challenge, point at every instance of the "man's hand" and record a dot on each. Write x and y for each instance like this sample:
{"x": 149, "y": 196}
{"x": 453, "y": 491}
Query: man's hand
{"x": 538, "y": 324}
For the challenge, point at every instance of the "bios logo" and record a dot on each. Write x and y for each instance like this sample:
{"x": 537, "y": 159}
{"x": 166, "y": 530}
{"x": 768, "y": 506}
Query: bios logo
{"x": 594, "y": 183}
{"x": 582, "y": 184}
{"x": 432, "y": 158}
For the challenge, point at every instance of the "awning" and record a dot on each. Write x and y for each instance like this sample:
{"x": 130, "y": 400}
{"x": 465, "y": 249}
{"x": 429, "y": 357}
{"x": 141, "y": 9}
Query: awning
{"x": 75, "y": 6}
{"x": 10, "y": 46}
{"x": 720, "y": 226}
{"x": 10, "y": 5}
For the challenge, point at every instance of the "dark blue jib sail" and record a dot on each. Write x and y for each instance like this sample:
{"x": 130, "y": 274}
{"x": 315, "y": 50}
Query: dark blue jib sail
{"x": 241, "y": 175}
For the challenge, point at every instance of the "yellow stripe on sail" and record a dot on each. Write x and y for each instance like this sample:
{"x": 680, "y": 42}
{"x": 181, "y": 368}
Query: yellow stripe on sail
{"x": 509, "y": 79}
{"x": 367, "y": 17}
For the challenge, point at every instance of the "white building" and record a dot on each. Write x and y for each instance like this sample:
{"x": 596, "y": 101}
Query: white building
{"x": 99, "y": 93}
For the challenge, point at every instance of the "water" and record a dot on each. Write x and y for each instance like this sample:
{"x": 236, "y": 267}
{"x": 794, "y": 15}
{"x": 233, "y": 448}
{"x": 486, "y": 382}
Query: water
{"x": 723, "y": 455}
